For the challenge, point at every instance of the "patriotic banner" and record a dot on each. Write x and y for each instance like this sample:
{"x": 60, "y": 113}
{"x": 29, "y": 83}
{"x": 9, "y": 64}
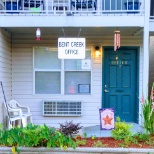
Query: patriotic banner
{"x": 106, "y": 118}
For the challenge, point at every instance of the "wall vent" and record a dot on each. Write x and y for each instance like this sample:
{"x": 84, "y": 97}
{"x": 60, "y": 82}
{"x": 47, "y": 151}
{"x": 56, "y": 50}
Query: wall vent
{"x": 62, "y": 108}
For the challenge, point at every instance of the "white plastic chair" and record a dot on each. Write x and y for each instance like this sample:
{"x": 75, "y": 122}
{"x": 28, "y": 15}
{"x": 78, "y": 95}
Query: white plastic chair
{"x": 25, "y": 112}
{"x": 13, "y": 118}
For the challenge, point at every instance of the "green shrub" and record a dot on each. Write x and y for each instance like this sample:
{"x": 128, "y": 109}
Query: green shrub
{"x": 34, "y": 136}
{"x": 98, "y": 144}
{"x": 122, "y": 130}
{"x": 80, "y": 142}
{"x": 141, "y": 136}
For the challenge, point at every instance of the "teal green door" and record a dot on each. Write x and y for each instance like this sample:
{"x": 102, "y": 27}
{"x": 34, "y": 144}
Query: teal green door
{"x": 120, "y": 77}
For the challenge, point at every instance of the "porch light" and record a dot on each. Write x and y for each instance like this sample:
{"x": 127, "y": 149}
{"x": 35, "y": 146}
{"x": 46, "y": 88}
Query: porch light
{"x": 97, "y": 52}
{"x": 116, "y": 40}
{"x": 38, "y": 34}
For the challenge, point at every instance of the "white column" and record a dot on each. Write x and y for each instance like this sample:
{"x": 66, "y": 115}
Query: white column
{"x": 146, "y": 49}
{"x": 145, "y": 75}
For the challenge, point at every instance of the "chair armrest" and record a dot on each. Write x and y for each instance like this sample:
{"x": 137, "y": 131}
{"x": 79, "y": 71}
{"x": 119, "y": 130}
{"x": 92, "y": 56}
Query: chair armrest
{"x": 15, "y": 110}
{"x": 24, "y": 107}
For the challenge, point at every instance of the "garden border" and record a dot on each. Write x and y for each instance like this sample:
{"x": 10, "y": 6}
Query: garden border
{"x": 77, "y": 150}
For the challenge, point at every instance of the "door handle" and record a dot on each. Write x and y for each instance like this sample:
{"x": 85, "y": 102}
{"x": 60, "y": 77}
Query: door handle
{"x": 106, "y": 91}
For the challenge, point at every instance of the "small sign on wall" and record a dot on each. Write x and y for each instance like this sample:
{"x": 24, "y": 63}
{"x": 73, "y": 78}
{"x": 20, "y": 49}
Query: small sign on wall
{"x": 71, "y": 48}
{"x": 86, "y": 64}
{"x": 106, "y": 118}
{"x": 84, "y": 88}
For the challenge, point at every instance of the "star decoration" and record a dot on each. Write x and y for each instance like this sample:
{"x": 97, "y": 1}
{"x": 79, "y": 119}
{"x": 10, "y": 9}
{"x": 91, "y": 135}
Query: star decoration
{"x": 107, "y": 120}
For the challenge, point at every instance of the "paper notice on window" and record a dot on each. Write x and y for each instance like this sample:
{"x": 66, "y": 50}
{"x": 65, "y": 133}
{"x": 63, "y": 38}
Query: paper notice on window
{"x": 86, "y": 64}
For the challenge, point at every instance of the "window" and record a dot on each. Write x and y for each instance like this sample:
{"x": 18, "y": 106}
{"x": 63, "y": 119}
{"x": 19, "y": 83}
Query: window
{"x": 47, "y": 82}
{"x": 56, "y": 76}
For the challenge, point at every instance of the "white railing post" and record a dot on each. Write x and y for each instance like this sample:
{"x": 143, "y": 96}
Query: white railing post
{"x": 104, "y": 4}
{"x": 46, "y": 8}
{"x": 69, "y": 5}
{"x": 133, "y": 5}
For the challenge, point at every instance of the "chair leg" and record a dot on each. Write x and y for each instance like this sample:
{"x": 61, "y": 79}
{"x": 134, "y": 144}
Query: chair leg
{"x": 8, "y": 123}
{"x": 13, "y": 124}
{"x": 8, "y": 127}
{"x": 24, "y": 121}
{"x": 31, "y": 120}
{"x": 19, "y": 122}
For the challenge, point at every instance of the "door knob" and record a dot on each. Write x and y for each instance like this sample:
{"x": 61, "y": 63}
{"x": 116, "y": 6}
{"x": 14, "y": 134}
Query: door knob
{"x": 106, "y": 91}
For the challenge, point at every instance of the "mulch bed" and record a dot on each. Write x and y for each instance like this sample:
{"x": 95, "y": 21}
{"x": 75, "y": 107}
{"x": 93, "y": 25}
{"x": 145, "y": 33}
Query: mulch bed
{"x": 112, "y": 143}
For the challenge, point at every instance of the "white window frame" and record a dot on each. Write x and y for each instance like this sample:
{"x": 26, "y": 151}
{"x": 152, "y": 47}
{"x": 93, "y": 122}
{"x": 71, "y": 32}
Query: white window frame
{"x": 62, "y": 72}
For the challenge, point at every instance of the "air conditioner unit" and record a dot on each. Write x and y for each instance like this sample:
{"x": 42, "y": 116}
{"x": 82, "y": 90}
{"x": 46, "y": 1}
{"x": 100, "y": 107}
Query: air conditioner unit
{"x": 62, "y": 108}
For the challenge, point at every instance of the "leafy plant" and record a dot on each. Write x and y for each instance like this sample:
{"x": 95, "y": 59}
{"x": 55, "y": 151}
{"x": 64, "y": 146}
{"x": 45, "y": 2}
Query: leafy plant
{"x": 85, "y": 135}
{"x": 93, "y": 137}
{"x": 127, "y": 141}
{"x": 133, "y": 139}
{"x": 122, "y": 130}
{"x": 141, "y": 136}
{"x": 35, "y": 135}
{"x": 98, "y": 144}
{"x": 68, "y": 128}
{"x": 80, "y": 142}
{"x": 150, "y": 142}
{"x": 148, "y": 112}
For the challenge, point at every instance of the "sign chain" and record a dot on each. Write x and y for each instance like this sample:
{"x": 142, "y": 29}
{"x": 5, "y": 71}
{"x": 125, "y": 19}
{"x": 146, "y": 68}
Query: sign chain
{"x": 79, "y": 32}
{"x": 65, "y": 34}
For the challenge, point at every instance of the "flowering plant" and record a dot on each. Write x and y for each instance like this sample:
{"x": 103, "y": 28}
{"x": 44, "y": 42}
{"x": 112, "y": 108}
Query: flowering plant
{"x": 148, "y": 112}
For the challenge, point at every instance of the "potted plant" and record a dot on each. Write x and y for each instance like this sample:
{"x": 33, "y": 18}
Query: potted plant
{"x": 132, "y": 5}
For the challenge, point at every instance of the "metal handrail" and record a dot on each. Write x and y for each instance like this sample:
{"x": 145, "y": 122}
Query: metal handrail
{"x": 69, "y": 7}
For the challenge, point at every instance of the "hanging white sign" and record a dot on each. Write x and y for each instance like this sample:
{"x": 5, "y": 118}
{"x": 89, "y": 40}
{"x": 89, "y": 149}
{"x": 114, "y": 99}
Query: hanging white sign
{"x": 71, "y": 48}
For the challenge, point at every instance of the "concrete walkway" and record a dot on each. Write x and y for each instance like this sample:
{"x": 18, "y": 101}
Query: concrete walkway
{"x": 95, "y": 130}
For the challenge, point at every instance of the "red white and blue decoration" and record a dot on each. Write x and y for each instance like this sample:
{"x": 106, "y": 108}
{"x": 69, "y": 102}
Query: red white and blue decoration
{"x": 106, "y": 118}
